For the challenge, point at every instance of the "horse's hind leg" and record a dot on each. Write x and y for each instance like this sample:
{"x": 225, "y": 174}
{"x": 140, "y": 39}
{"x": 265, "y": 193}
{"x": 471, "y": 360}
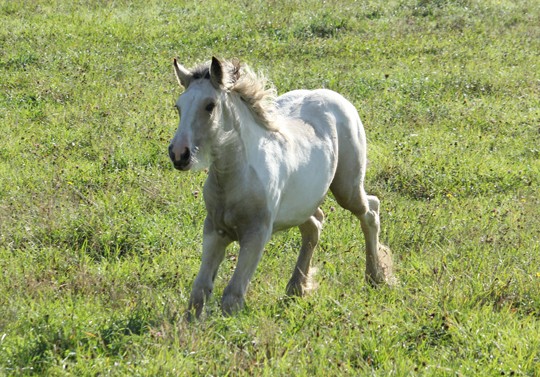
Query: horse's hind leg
{"x": 300, "y": 282}
{"x": 365, "y": 207}
{"x": 379, "y": 263}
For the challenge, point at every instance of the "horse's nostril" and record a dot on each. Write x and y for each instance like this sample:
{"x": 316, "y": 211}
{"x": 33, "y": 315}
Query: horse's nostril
{"x": 186, "y": 155}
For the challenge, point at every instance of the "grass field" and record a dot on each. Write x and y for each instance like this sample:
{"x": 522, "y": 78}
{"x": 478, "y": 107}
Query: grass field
{"x": 100, "y": 237}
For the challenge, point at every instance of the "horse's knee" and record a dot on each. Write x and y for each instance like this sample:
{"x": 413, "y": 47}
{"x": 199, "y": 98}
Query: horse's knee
{"x": 370, "y": 215}
{"x": 370, "y": 219}
{"x": 311, "y": 229}
{"x": 319, "y": 215}
{"x": 374, "y": 203}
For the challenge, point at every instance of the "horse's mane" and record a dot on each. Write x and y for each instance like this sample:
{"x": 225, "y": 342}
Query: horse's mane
{"x": 253, "y": 89}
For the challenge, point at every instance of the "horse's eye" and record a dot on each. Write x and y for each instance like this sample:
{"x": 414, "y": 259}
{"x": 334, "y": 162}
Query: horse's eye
{"x": 210, "y": 107}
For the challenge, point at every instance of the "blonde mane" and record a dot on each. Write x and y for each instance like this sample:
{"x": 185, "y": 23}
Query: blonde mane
{"x": 253, "y": 89}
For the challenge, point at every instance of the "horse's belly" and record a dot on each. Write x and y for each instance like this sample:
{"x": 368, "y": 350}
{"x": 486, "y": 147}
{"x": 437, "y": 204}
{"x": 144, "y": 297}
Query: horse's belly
{"x": 300, "y": 201}
{"x": 307, "y": 164}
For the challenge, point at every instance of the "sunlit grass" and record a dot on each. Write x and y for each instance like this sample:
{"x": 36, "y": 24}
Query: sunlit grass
{"x": 100, "y": 238}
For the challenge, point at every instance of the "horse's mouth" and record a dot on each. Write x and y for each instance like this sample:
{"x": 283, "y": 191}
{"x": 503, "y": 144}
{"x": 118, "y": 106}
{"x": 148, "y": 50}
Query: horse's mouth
{"x": 182, "y": 165}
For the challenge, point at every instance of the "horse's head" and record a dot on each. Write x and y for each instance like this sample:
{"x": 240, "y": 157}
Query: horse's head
{"x": 199, "y": 108}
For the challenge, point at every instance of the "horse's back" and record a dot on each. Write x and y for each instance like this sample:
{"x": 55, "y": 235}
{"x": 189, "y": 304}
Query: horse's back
{"x": 326, "y": 111}
{"x": 323, "y": 108}
{"x": 330, "y": 113}
{"x": 320, "y": 126}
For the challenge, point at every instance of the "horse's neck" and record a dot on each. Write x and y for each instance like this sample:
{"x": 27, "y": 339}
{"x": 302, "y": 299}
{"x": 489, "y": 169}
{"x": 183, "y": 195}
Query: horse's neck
{"x": 238, "y": 152}
{"x": 229, "y": 163}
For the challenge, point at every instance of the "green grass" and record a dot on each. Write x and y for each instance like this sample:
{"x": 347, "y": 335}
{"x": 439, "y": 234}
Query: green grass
{"x": 100, "y": 238}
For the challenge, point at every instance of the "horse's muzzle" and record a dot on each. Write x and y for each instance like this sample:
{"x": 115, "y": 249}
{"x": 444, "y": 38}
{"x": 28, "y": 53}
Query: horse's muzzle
{"x": 184, "y": 162}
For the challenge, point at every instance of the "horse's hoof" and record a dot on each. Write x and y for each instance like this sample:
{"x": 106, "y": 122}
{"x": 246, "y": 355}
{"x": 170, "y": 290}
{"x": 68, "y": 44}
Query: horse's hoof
{"x": 384, "y": 271}
{"x": 301, "y": 285}
{"x": 190, "y": 316}
{"x": 231, "y": 304}
{"x": 295, "y": 290}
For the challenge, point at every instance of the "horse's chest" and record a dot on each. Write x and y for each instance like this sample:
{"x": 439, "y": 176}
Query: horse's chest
{"x": 235, "y": 219}
{"x": 233, "y": 212}
{"x": 223, "y": 221}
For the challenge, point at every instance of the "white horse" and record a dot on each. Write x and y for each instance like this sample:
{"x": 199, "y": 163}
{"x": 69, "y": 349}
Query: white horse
{"x": 271, "y": 162}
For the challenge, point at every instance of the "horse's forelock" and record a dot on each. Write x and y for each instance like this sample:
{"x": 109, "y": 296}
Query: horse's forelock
{"x": 231, "y": 71}
{"x": 201, "y": 72}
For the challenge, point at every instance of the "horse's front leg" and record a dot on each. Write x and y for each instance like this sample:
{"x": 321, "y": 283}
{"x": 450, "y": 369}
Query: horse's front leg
{"x": 251, "y": 249}
{"x": 214, "y": 245}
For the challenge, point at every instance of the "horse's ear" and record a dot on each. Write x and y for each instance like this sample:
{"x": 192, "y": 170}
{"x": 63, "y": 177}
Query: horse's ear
{"x": 182, "y": 75}
{"x": 216, "y": 72}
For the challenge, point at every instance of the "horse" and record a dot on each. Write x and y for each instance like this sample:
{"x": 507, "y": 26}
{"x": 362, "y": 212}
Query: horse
{"x": 270, "y": 162}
